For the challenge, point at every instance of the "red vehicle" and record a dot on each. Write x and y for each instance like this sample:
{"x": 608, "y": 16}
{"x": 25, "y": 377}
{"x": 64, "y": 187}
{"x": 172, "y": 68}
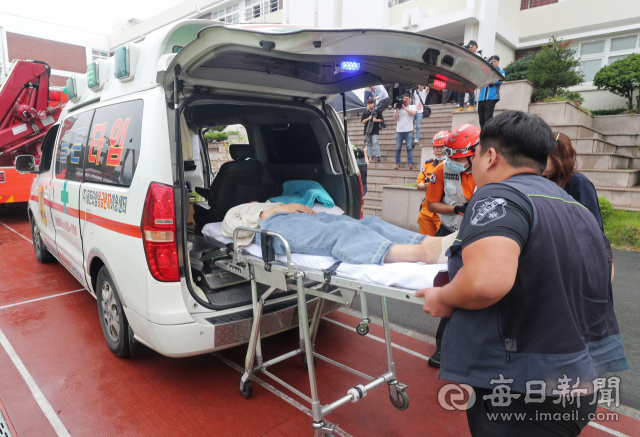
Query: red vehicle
{"x": 28, "y": 108}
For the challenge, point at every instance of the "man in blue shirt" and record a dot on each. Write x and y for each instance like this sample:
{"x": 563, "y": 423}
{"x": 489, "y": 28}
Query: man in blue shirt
{"x": 489, "y": 96}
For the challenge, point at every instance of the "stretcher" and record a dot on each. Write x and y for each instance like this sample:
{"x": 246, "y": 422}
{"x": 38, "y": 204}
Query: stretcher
{"x": 283, "y": 273}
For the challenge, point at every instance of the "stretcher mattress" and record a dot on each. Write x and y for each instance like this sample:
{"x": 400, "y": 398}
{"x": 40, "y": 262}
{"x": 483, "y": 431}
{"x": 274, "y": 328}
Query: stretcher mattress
{"x": 410, "y": 276}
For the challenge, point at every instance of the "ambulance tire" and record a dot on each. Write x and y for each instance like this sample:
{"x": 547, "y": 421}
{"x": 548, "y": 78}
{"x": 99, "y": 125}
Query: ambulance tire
{"x": 115, "y": 326}
{"x": 42, "y": 253}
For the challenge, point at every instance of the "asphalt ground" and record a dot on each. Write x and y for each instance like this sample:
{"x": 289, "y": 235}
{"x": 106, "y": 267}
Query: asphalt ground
{"x": 626, "y": 298}
{"x": 58, "y": 378}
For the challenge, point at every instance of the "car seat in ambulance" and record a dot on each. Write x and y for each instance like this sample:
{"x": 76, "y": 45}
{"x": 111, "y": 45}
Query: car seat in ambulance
{"x": 237, "y": 182}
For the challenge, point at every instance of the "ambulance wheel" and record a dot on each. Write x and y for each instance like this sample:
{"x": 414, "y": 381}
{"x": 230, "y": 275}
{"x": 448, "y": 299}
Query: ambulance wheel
{"x": 246, "y": 389}
{"x": 114, "y": 323}
{"x": 401, "y": 402}
{"x": 362, "y": 328}
{"x": 304, "y": 361}
{"x": 42, "y": 253}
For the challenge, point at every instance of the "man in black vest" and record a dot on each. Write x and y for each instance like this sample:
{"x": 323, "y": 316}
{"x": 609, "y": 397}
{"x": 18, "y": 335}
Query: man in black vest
{"x": 529, "y": 296}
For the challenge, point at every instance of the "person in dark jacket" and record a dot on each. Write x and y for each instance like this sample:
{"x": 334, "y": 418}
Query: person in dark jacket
{"x": 562, "y": 169}
{"x": 529, "y": 298}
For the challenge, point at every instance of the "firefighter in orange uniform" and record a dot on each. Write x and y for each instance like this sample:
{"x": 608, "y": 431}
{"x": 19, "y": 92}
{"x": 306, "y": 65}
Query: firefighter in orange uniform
{"x": 428, "y": 221}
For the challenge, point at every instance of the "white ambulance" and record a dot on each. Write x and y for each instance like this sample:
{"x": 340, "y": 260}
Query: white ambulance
{"x": 111, "y": 196}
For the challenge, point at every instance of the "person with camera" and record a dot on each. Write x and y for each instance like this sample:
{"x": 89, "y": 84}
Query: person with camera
{"x": 371, "y": 121}
{"x": 489, "y": 96}
{"x": 403, "y": 115}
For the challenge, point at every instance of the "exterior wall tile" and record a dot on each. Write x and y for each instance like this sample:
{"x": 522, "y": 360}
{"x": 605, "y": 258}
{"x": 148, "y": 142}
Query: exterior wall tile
{"x": 59, "y": 56}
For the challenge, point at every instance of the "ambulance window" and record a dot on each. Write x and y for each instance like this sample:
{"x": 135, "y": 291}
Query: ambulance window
{"x": 114, "y": 144}
{"x": 71, "y": 146}
{"x": 47, "y": 148}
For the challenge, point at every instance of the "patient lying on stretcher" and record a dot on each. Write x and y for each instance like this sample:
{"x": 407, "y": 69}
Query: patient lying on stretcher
{"x": 366, "y": 241}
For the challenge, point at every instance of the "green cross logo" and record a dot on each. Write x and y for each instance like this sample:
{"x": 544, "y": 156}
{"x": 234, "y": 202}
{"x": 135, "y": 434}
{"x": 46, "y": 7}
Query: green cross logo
{"x": 64, "y": 196}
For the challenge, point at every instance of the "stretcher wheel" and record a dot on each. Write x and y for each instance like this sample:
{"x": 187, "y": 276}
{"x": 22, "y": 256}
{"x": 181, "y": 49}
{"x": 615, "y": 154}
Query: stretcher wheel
{"x": 304, "y": 360}
{"x": 246, "y": 389}
{"x": 362, "y": 328}
{"x": 401, "y": 402}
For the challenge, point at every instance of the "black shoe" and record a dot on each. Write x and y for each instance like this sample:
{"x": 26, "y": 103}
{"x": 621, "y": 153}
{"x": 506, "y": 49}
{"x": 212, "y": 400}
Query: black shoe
{"x": 434, "y": 361}
{"x": 378, "y": 159}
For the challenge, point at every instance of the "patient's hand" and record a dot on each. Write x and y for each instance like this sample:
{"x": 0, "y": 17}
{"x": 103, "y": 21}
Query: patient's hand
{"x": 291, "y": 208}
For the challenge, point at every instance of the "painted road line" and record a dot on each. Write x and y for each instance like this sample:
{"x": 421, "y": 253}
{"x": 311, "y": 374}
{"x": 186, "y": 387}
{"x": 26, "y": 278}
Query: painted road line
{"x": 381, "y": 340}
{"x": 14, "y": 231}
{"x": 608, "y": 430}
{"x": 275, "y": 391}
{"x": 40, "y": 298}
{"x": 45, "y": 406}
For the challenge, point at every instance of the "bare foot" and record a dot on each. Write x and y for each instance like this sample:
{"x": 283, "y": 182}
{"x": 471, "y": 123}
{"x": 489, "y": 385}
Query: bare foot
{"x": 431, "y": 248}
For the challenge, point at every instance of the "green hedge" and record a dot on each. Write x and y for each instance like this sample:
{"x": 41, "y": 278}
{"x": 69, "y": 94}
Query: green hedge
{"x": 215, "y": 136}
{"x": 621, "y": 227}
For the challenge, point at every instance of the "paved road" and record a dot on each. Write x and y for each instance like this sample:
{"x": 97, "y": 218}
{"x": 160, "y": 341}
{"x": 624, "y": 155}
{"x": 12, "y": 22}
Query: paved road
{"x": 626, "y": 291}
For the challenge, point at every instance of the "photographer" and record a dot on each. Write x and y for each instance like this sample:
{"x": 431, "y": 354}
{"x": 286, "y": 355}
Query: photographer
{"x": 403, "y": 115}
{"x": 372, "y": 116}
{"x": 473, "y": 48}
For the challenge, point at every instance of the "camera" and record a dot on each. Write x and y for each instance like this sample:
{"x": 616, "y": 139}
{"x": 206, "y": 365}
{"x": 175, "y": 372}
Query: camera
{"x": 398, "y": 103}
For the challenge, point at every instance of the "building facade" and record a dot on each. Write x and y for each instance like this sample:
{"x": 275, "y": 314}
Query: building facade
{"x": 507, "y": 28}
{"x": 67, "y": 50}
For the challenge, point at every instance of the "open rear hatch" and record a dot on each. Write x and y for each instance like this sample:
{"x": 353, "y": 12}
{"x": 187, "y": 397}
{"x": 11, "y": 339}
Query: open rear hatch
{"x": 313, "y": 63}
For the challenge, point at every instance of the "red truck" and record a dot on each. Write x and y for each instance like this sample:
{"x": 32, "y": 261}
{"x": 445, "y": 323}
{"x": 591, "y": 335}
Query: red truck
{"x": 28, "y": 108}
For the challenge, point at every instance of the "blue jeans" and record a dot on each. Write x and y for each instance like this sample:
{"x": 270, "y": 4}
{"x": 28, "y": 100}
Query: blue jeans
{"x": 373, "y": 146}
{"x": 408, "y": 139}
{"x": 472, "y": 99}
{"x": 418, "y": 119}
{"x": 365, "y": 241}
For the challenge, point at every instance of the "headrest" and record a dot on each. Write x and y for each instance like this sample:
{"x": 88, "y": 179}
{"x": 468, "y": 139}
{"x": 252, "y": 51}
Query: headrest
{"x": 240, "y": 152}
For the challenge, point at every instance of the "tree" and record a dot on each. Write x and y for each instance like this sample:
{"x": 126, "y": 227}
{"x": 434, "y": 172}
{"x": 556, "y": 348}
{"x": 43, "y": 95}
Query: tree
{"x": 554, "y": 67}
{"x": 621, "y": 78}
{"x": 519, "y": 70}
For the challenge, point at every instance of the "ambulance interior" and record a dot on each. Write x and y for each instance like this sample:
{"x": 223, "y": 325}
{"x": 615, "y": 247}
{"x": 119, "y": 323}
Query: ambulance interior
{"x": 286, "y": 141}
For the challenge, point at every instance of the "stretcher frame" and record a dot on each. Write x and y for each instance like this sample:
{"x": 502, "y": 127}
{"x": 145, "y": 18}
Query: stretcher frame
{"x": 289, "y": 276}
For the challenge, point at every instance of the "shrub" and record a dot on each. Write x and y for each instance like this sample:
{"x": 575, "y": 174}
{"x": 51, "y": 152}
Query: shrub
{"x": 519, "y": 70}
{"x": 621, "y": 78}
{"x": 606, "y": 208}
{"x": 215, "y": 136}
{"x": 217, "y": 128}
{"x": 553, "y": 68}
{"x": 611, "y": 111}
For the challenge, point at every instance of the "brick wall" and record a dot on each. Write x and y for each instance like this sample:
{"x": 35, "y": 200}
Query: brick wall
{"x": 57, "y": 80}
{"x": 528, "y": 4}
{"x": 59, "y": 56}
{"x": 525, "y": 52}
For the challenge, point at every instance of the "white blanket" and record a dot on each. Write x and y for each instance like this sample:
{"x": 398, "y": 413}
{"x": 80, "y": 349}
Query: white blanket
{"x": 410, "y": 276}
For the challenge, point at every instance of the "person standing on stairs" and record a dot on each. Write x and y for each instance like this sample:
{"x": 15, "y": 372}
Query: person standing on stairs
{"x": 419, "y": 99}
{"x": 429, "y": 222}
{"x": 403, "y": 115}
{"x": 489, "y": 96}
{"x": 374, "y": 116}
{"x": 472, "y": 47}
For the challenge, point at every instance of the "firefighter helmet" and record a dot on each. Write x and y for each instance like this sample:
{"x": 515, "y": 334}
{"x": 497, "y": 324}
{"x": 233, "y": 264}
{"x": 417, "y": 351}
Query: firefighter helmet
{"x": 462, "y": 141}
{"x": 440, "y": 138}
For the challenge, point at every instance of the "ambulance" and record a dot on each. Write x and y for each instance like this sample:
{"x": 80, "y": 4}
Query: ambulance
{"x": 111, "y": 196}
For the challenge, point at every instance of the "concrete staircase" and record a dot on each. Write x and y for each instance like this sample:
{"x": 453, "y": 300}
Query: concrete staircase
{"x": 607, "y": 148}
{"x": 383, "y": 173}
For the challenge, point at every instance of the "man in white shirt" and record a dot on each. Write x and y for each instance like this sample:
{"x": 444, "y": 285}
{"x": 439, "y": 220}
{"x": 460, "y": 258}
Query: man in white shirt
{"x": 419, "y": 98}
{"x": 381, "y": 96}
{"x": 404, "y": 115}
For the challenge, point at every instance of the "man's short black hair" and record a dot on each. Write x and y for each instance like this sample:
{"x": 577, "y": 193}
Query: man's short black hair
{"x": 406, "y": 95}
{"x": 524, "y": 140}
{"x": 472, "y": 43}
{"x": 496, "y": 57}
{"x": 369, "y": 101}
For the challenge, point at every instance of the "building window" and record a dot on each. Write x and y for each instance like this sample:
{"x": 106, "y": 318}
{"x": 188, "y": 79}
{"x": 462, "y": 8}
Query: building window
{"x": 99, "y": 54}
{"x": 230, "y": 14}
{"x": 257, "y": 8}
{"x": 530, "y": 4}
{"x": 596, "y": 54}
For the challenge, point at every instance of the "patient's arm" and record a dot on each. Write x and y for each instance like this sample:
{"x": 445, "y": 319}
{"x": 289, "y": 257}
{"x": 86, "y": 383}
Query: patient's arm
{"x": 291, "y": 208}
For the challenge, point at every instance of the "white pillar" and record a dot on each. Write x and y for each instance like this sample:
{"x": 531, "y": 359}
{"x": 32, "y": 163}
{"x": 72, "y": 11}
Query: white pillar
{"x": 487, "y": 28}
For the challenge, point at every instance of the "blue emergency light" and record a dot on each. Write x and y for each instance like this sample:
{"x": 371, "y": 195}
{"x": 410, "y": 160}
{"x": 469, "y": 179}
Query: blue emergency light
{"x": 349, "y": 66}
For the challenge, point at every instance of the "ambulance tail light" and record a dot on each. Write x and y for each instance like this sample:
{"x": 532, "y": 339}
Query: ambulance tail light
{"x": 159, "y": 233}
{"x": 361, "y": 196}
